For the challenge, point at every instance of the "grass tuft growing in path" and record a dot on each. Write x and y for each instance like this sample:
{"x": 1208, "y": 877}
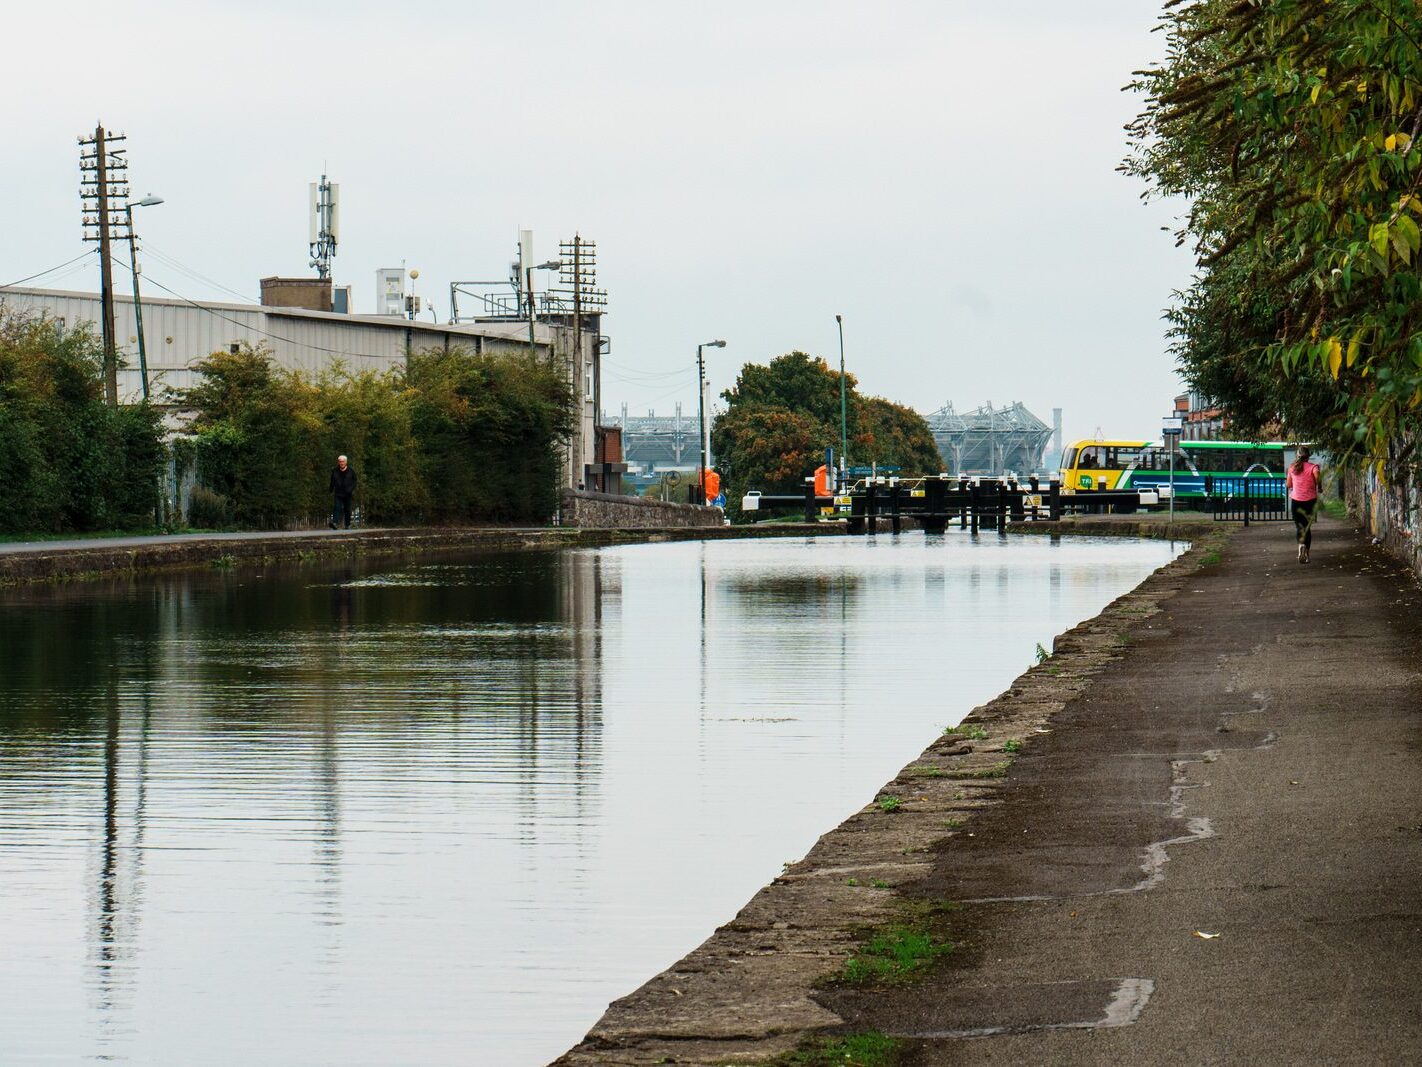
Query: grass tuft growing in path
{"x": 870, "y": 1049}
{"x": 891, "y": 956}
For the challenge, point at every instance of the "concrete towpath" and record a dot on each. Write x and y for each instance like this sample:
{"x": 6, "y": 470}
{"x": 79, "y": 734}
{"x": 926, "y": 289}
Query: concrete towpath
{"x": 1207, "y": 851}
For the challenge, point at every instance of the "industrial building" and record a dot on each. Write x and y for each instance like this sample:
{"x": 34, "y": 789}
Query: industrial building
{"x": 993, "y": 441}
{"x": 179, "y": 333}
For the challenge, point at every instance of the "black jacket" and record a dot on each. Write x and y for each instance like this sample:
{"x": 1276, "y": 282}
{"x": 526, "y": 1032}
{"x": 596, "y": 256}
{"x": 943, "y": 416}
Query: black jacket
{"x": 343, "y": 482}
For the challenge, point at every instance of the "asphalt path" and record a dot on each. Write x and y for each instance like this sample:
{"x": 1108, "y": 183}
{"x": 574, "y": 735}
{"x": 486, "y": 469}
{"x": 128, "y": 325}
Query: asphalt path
{"x": 1214, "y": 855}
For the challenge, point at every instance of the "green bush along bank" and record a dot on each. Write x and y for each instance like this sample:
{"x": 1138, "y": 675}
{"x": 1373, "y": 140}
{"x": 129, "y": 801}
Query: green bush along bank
{"x": 69, "y": 462}
{"x": 451, "y": 437}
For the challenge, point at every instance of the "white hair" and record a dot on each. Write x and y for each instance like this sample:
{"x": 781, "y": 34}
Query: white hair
{"x": 339, "y": 458}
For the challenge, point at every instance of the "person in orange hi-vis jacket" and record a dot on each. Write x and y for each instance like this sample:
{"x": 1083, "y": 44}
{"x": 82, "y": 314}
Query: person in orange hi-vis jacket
{"x": 712, "y": 483}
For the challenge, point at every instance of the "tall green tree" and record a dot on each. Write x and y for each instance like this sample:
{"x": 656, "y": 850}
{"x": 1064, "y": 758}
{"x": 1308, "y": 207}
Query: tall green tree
{"x": 1290, "y": 127}
{"x": 782, "y": 415}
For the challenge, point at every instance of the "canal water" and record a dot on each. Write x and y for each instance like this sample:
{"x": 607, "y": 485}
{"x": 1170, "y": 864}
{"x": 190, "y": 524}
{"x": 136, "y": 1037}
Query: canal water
{"x": 443, "y": 811}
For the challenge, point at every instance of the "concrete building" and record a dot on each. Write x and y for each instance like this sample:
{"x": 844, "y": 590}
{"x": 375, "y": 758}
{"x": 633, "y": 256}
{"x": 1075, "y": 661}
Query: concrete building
{"x": 178, "y": 333}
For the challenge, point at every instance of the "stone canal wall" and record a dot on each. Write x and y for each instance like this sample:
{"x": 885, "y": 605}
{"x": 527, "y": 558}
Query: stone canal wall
{"x": 605, "y": 511}
{"x": 66, "y": 562}
{"x": 1391, "y": 511}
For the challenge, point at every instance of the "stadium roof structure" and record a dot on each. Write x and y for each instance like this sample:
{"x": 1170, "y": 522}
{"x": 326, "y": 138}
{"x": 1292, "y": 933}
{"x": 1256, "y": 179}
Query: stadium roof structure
{"x": 653, "y": 443}
{"x": 989, "y": 440}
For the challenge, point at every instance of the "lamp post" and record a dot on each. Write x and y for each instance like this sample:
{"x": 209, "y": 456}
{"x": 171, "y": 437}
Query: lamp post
{"x": 147, "y": 201}
{"x": 701, "y": 413}
{"x": 1171, "y": 430}
{"x": 552, "y": 264}
{"x": 843, "y": 406}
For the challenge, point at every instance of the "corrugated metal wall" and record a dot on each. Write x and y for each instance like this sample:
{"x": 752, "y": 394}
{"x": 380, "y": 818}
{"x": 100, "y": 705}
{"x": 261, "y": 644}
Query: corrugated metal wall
{"x": 179, "y": 334}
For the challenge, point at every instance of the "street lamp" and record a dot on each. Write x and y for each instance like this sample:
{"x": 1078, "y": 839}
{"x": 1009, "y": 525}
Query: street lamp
{"x": 147, "y": 201}
{"x": 552, "y": 264}
{"x": 843, "y": 406}
{"x": 701, "y": 413}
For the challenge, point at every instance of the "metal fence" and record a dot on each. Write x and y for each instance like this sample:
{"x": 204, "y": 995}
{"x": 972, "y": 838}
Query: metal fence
{"x": 1247, "y": 499}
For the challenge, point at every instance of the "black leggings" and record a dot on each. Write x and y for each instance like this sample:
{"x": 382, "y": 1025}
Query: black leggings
{"x": 1303, "y": 520}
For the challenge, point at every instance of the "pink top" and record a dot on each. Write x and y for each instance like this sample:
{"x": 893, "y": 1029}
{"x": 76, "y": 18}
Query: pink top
{"x": 1304, "y": 486}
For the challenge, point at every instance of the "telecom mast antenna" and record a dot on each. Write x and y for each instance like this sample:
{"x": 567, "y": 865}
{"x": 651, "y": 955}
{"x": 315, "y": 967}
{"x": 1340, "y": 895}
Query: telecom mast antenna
{"x": 325, "y": 224}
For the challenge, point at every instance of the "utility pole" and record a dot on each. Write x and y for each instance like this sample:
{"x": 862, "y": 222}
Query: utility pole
{"x": 137, "y": 304}
{"x": 702, "y": 439}
{"x": 147, "y": 201}
{"x": 105, "y": 181}
{"x": 578, "y": 272}
{"x": 843, "y": 408}
{"x": 701, "y": 425}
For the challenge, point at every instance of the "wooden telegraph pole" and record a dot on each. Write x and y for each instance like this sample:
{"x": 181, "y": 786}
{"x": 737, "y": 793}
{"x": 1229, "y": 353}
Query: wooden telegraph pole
{"x": 105, "y": 181}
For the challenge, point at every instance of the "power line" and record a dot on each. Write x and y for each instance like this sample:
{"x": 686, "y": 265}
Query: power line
{"x": 648, "y": 373}
{"x": 87, "y": 252}
{"x": 182, "y": 268}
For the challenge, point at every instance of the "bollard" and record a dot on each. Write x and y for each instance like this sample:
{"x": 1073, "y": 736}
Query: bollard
{"x": 963, "y": 498}
{"x": 870, "y": 509}
{"x": 812, "y": 511}
{"x": 935, "y": 496}
{"x": 1054, "y": 500}
{"x": 897, "y": 523}
{"x": 974, "y": 506}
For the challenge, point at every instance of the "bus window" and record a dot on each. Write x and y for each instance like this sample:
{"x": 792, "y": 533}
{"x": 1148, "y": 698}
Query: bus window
{"x": 1120, "y": 459}
{"x": 1090, "y": 458}
{"x": 1266, "y": 459}
{"x": 1069, "y": 460}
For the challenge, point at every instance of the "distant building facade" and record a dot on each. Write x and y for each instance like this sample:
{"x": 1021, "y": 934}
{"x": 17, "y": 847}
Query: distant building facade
{"x": 990, "y": 440}
{"x": 1200, "y": 417}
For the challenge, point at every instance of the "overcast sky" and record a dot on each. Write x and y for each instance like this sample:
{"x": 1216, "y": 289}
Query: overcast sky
{"x": 940, "y": 173}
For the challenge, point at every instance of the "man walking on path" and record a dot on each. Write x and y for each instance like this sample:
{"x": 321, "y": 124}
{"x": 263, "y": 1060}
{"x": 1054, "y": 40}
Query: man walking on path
{"x": 343, "y": 487}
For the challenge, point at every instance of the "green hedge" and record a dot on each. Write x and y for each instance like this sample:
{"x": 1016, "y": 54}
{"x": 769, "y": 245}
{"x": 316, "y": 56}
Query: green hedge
{"x": 452, "y": 437}
{"x": 69, "y": 462}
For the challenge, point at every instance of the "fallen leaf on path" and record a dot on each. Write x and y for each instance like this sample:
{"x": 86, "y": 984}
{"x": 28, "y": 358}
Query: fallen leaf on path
{"x": 1204, "y": 936}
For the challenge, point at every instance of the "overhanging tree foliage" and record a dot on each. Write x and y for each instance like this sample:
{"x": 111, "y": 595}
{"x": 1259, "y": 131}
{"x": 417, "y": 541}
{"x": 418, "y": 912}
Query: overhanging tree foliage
{"x": 1291, "y": 127}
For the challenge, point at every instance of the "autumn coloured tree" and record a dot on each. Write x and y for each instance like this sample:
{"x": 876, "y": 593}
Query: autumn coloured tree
{"x": 1290, "y": 128}
{"x": 781, "y": 417}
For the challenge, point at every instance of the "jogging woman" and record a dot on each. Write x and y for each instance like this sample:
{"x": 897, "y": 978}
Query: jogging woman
{"x": 1303, "y": 482}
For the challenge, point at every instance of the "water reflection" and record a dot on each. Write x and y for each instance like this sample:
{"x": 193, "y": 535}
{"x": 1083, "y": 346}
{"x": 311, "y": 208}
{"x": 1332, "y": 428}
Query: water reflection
{"x": 444, "y": 811}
